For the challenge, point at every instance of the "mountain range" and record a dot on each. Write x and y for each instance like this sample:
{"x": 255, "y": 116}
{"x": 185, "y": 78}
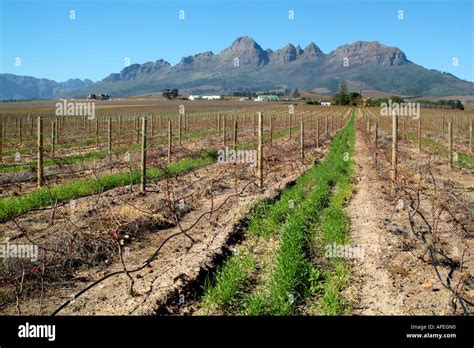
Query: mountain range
{"x": 246, "y": 65}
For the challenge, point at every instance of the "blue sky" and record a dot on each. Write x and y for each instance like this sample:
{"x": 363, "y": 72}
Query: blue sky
{"x": 106, "y": 32}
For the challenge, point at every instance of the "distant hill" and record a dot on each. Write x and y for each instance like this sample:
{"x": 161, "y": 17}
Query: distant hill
{"x": 27, "y": 87}
{"x": 245, "y": 65}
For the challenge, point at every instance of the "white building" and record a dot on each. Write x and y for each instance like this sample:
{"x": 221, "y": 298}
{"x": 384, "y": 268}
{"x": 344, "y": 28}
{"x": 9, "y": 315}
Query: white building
{"x": 211, "y": 97}
{"x": 194, "y": 97}
{"x": 323, "y": 103}
{"x": 267, "y": 97}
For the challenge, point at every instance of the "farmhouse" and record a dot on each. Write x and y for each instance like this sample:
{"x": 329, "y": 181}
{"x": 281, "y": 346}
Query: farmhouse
{"x": 99, "y": 96}
{"x": 194, "y": 97}
{"x": 325, "y": 103}
{"x": 267, "y": 97}
{"x": 211, "y": 97}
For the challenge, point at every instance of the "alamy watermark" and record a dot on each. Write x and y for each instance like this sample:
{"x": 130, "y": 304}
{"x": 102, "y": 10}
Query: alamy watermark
{"x": 237, "y": 156}
{"x": 400, "y": 109}
{"x": 23, "y": 251}
{"x": 65, "y": 108}
{"x": 345, "y": 251}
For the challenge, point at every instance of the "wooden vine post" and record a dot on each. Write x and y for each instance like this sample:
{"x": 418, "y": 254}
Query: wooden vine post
{"x": 419, "y": 136}
{"x": 21, "y": 129}
{"x": 97, "y": 131}
{"x": 470, "y": 135}
{"x": 260, "y": 151}
{"x": 289, "y": 126}
{"x": 224, "y": 130}
{"x": 235, "y": 134}
{"x": 394, "y": 149}
{"x": 327, "y": 127}
{"x": 376, "y": 136}
{"x": 143, "y": 155}
{"x": 254, "y": 125}
{"x": 302, "y": 139}
{"x": 109, "y": 138}
{"x": 450, "y": 146}
{"x": 180, "y": 131}
{"x": 317, "y": 132}
{"x": 39, "y": 167}
{"x": 53, "y": 138}
{"x": 271, "y": 131}
{"x": 170, "y": 134}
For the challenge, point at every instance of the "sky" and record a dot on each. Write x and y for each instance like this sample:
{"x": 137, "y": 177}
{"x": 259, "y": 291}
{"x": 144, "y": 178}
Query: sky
{"x": 92, "y": 38}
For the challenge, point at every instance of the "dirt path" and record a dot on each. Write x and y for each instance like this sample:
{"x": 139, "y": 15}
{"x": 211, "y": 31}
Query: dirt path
{"x": 372, "y": 292}
{"x": 395, "y": 276}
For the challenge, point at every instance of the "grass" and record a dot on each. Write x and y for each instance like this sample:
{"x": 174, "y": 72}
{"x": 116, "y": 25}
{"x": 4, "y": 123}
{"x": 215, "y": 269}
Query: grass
{"x": 47, "y": 147}
{"x": 43, "y": 197}
{"x": 431, "y": 144}
{"x": 288, "y": 282}
{"x": 229, "y": 283}
{"x": 224, "y": 289}
{"x": 335, "y": 229}
{"x": 89, "y": 156}
{"x": 101, "y": 154}
{"x": 291, "y": 278}
{"x": 299, "y": 213}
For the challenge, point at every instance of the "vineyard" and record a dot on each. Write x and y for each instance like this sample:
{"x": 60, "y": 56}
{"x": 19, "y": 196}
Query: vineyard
{"x": 218, "y": 209}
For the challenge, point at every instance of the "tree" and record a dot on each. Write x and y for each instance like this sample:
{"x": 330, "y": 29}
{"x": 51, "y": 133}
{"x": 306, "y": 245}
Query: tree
{"x": 341, "y": 97}
{"x": 354, "y": 98}
{"x": 396, "y": 99}
{"x": 170, "y": 93}
{"x": 296, "y": 93}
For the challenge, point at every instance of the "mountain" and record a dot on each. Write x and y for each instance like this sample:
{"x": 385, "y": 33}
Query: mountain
{"x": 138, "y": 71}
{"x": 246, "y": 65}
{"x": 27, "y": 87}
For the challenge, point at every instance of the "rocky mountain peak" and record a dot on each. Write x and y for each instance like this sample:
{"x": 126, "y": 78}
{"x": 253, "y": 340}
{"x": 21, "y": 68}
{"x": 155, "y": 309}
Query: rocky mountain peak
{"x": 247, "y": 51}
{"x": 286, "y": 54}
{"x": 369, "y": 52}
{"x": 312, "y": 51}
{"x": 138, "y": 71}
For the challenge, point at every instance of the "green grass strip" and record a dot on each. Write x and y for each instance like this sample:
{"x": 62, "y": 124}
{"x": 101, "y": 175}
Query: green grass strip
{"x": 297, "y": 209}
{"x": 335, "y": 229}
{"x": 228, "y": 284}
{"x": 431, "y": 144}
{"x": 89, "y": 156}
{"x": 291, "y": 280}
{"x": 43, "y": 197}
{"x": 13, "y": 206}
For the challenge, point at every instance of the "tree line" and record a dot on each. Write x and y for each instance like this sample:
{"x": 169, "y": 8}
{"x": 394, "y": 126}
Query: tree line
{"x": 345, "y": 98}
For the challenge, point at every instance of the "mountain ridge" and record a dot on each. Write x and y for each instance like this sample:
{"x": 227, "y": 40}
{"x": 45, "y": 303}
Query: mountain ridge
{"x": 246, "y": 65}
